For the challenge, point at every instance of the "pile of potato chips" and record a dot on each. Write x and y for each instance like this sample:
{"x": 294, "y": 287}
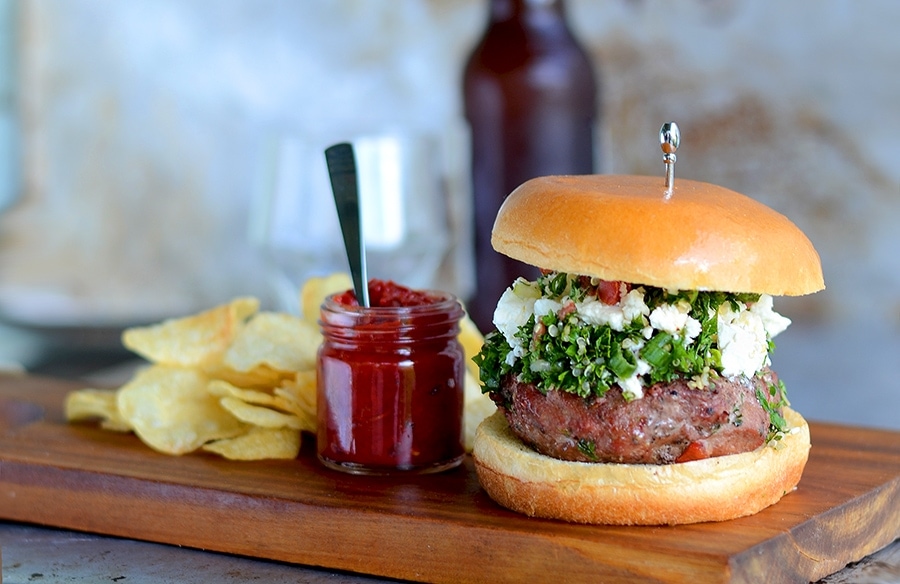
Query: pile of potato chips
{"x": 235, "y": 381}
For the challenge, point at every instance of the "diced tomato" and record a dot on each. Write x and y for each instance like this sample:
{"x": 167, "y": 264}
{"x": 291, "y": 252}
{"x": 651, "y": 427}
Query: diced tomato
{"x": 694, "y": 451}
{"x": 568, "y": 308}
{"x": 609, "y": 291}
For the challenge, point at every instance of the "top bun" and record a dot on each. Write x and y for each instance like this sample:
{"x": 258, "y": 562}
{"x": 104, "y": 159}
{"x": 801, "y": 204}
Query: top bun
{"x": 701, "y": 237}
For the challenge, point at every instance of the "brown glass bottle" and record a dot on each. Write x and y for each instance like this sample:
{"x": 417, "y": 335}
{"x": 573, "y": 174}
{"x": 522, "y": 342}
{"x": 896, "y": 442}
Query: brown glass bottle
{"x": 530, "y": 99}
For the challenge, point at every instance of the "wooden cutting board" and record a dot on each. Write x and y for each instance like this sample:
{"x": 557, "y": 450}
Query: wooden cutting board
{"x": 440, "y": 528}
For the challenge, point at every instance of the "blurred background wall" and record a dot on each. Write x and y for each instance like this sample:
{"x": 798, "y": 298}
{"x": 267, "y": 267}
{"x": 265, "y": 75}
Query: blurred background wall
{"x": 137, "y": 142}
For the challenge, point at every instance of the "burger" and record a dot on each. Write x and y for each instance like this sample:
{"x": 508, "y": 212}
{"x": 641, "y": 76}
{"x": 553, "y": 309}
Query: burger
{"x": 633, "y": 377}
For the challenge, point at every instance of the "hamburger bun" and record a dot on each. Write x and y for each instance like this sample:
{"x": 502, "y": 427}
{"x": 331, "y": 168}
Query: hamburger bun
{"x": 701, "y": 237}
{"x": 713, "y": 489}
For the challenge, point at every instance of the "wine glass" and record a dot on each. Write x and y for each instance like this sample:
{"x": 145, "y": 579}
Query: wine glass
{"x": 404, "y": 210}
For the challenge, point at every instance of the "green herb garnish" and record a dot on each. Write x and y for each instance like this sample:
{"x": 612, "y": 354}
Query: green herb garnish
{"x": 778, "y": 426}
{"x": 587, "y": 448}
{"x": 562, "y": 352}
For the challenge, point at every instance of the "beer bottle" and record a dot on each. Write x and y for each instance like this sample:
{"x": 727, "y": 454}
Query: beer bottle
{"x": 530, "y": 99}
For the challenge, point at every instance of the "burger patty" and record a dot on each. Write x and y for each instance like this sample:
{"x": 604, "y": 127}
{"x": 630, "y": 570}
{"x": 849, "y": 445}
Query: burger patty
{"x": 670, "y": 423}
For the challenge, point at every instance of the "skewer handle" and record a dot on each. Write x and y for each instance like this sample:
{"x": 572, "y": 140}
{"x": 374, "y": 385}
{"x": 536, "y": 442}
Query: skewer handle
{"x": 669, "y": 139}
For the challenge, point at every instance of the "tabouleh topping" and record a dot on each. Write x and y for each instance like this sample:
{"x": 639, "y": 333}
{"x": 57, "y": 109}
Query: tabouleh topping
{"x": 583, "y": 335}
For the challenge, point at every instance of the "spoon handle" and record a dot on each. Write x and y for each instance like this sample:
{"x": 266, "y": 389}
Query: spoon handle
{"x": 342, "y": 170}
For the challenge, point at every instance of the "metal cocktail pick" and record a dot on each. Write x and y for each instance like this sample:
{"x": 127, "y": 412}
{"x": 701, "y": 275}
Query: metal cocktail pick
{"x": 669, "y": 139}
{"x": 342, "y": 170}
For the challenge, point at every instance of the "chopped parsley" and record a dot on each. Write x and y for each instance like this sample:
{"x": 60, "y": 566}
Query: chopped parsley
{"x": 587, "y": 448}
{"x": 778, "y": 426}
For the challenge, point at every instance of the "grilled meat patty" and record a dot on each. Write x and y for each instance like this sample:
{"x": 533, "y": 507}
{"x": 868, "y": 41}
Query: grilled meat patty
{"x": 670, "y": 423}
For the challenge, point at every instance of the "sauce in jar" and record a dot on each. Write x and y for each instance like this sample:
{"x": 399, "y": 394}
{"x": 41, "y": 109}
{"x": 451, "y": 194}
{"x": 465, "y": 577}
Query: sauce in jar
{"x": 390, "y": 382}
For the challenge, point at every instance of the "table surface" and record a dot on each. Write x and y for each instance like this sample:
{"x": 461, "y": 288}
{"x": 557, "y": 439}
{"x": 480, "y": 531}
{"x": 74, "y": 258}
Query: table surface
{"x": 38, "y": 554}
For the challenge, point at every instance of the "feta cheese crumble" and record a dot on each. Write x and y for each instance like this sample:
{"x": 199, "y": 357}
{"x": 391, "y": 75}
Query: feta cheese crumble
{"x": 512, "y": 312}
{"x": 675, "y": 319}
{"x": 742, "y": 335}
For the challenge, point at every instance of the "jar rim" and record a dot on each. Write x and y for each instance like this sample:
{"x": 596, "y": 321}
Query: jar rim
{"x": 439, "y": 318}
{"x": 443, "y": 301}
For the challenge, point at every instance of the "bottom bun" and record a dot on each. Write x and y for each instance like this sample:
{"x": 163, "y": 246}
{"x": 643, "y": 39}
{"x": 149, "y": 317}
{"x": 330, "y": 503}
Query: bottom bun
{"x": 714, "y": 489}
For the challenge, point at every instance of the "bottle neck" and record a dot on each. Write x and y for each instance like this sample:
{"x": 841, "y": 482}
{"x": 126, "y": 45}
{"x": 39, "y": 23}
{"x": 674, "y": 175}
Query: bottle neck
{"x": 514, "y": 9}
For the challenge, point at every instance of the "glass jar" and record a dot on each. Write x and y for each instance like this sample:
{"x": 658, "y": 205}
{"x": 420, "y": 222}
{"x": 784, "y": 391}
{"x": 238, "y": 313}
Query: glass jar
{"x": 390, "y": 387}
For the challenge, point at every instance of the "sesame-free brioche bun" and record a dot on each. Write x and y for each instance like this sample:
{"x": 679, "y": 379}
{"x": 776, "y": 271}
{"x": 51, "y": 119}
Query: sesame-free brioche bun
{"x": 714, "y": 489}
{"x": 701, "y": 237}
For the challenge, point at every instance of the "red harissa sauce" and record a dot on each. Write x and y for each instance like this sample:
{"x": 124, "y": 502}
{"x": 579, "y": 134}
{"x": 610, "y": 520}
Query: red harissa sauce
{"x": 384, "y": 293}
{"x": 390, "y": 382}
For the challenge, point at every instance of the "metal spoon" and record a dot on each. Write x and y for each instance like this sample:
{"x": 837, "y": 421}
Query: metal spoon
{"x": 342, "y": 170}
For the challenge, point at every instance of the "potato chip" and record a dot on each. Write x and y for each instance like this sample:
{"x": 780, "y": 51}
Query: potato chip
{"x": 262, "y": 377}
{"x": 281, "y": 342}
{"x": 259, "y": 415}
{"x": 171, "y": 411}
{"x": 315, "y": 290}
{"x": 259, "y": 444}
{"x": 91, "y": 404}
{"x": 220, "y": 388}
{"x": 191, "y": 341}
{"x": 300, "y": 396}
{"x": 476, "y": 405}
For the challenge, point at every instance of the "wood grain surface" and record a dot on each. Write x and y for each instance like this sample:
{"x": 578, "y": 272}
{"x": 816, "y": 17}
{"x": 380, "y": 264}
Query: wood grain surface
{"x": 439, "y": 528}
